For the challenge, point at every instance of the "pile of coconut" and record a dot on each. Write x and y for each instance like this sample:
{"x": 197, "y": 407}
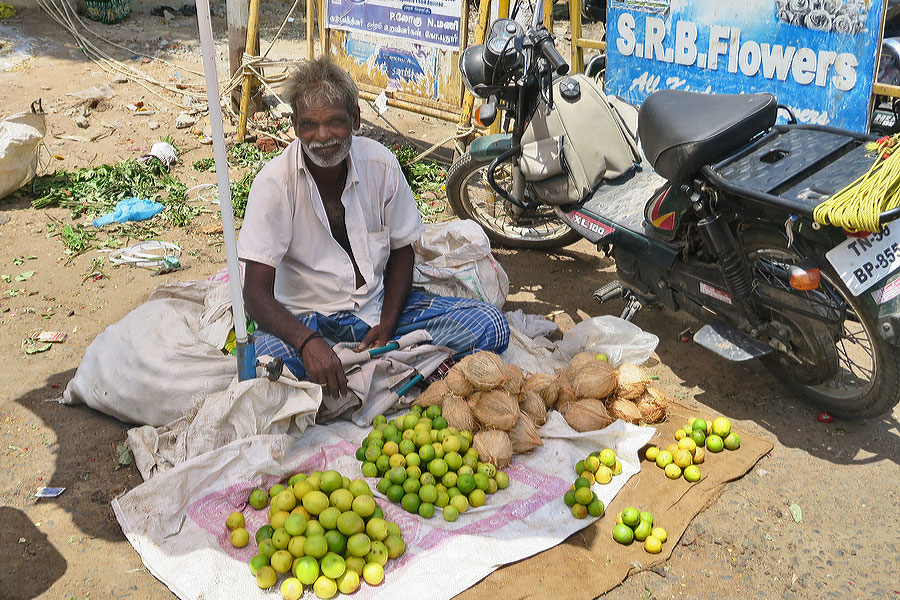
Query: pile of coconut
{"x": 504, "y": 407}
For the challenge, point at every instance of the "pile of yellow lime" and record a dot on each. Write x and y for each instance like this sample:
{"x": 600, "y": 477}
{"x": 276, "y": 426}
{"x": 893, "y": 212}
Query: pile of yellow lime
{"x": 426, "y": 464}
{"x": 692, "y": 442}
{"x": 600, "y": 466}
{"x": 324, "y": 532}
{"x": 635, "y": 525}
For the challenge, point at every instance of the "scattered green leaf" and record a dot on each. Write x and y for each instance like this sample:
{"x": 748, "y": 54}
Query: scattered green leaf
{"x": 126, "y": 458}
{"x": 796, "y": 513}
{"x": 25, "y": 276}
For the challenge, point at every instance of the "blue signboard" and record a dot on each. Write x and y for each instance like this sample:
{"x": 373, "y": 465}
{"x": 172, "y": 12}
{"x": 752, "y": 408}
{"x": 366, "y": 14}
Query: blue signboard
{"x": 816, "y": 56}
{"x": 431, "y": 22}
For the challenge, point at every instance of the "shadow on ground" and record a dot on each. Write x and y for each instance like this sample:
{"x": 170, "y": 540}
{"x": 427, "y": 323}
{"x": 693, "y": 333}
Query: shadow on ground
{"x": 85, "y": 459}
{"x": 29, "y": 564}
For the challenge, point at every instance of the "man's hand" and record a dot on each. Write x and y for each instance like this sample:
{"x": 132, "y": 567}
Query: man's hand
{"x": 324, "y": 367}
{"x": 378, "y": 336}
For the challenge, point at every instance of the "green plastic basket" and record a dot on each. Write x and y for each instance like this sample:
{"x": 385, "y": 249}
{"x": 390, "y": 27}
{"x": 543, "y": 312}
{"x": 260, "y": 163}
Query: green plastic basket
{"x": 107, "y": 11}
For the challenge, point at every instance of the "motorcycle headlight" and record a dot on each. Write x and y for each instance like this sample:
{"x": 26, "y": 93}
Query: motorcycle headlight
{"x": 473, "y": 68}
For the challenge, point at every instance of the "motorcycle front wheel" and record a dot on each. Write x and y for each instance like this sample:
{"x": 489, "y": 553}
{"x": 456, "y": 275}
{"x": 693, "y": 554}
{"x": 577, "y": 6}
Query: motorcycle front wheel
{"x": 471, "y": 197}
{"x": 862, "y": 370}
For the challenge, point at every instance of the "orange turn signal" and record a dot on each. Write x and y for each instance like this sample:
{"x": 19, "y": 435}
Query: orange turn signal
{"x": 477, "y": 116}
{"x": 805, "y": 279}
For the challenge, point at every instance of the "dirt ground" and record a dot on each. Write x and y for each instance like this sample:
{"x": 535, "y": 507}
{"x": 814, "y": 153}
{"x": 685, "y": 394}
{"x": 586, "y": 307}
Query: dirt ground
{"x": 746, "y": 545}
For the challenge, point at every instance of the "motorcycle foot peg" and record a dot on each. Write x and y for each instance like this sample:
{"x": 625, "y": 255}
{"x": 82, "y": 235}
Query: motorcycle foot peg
{"x": 610, "y": 291}
{"x": 274, "y": 368}
{"x": 632, "y": 305}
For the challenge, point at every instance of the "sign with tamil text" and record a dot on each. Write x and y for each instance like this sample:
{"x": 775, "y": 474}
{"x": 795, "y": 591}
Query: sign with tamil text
{"x": 817, "y": 56}
{"x": 431, "y": 22}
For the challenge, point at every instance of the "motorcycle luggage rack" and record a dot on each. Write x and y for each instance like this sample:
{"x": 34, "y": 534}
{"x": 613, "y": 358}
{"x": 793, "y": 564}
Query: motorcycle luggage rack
{"x": 806, "y": 178}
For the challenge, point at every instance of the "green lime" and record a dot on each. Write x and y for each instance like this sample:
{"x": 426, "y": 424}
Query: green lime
{"x": 596, "y": 508}
{"x": 429, "y": 493}
{"x": 411, "y": 486}
{"x": 715, "y": 444}
{"x": 502, "y": 480}
{"x": 337, "y": 541}
{"x": 450, "y": 513}
{"x": 465, "y": 483}
{"x": 259, "y": 499}
{"x": 394, "y": 493}
{"x": 583, "y": 495}
{"x": 623, "y": 534}
{"x": 733, "y": 441}
{"x": 383, "y": 484}
{"x": 477, "y": 498}
{"x": 439, "y": 423}
{"x": 410, "y": 503}
{"x": 582, "y": 482}
{"x": 378, "y": 420}
{"x": 631, "y": 516}
{"x": 579, "y": 467}
{"x": 569, "y": 498}
{"x": 264, "y": 533}
{"x": 433, "y": 411}
{"x": 579, "y": 511}
{"x": 257, "y": 562}
{"x": 426, "y": 509}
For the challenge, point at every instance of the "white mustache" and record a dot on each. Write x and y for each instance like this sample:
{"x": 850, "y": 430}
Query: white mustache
{"x": 320, "y": 145}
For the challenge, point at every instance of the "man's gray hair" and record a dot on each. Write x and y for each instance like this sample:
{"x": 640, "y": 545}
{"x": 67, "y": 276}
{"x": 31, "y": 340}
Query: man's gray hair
{"x": 320, "y": 82}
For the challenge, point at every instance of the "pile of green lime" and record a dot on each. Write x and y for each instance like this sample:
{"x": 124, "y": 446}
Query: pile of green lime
{"x": 324, "y": 531}
{"x": 632, "y": 524}
{"x": 424, "y": 463}
{"x": 682, "y": 457}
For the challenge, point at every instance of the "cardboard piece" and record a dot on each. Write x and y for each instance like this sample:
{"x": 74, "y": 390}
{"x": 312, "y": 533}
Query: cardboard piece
{"x": 589, "y": 562}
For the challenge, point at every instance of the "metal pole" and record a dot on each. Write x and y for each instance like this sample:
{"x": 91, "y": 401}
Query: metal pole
{"x": 246, "y": 352}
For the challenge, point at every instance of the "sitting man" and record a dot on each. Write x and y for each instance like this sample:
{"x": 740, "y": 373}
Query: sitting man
{"x": 326, "y": 241}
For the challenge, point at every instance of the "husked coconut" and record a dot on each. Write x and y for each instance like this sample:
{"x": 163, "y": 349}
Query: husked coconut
{"x": 457, "y": 412}
{"x": 579, "y": 361}
{"x": 524, "y": 435}
{"x": 457, "y": 383}
{"x": 515, "y": 382}
{"x": 653, "y": 405}
{"x": 493, "y": 446}
{"x": 494, "y": 409}
{"x": 565, "y": 393}
{"x": 545, "y": 385}
{"x": 434, "y": 394}
{"x": 632, "y": 381}
{"x": 625, "y": 410}
{"x": 484, "y": 370}
{"x": 595, "y": 381}
{"x": 587, "y": 415}
{"x": 534, "y": 407}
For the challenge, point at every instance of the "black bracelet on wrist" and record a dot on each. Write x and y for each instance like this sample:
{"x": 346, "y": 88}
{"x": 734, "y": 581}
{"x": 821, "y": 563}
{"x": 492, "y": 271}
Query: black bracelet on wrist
{"x": 313, "y": 335}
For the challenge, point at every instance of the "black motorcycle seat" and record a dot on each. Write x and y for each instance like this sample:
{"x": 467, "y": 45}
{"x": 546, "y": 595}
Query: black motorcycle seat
{"x": 681, "y": 132}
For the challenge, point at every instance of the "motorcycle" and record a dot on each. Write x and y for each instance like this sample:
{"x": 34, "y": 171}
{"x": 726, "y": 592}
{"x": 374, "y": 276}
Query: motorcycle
{"x": 715, "y": 219}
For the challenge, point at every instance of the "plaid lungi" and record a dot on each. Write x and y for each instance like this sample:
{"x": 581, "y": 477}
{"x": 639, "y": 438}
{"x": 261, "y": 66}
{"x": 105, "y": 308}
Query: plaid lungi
{"x": 461, "y": 324}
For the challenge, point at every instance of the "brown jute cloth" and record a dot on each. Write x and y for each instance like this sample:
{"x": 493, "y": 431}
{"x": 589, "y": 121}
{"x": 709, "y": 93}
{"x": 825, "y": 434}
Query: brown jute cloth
{"x": 590, "y": 563}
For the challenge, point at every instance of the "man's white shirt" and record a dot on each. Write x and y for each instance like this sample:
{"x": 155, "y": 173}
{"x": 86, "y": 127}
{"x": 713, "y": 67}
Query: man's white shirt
{"x": 286, "y": 227}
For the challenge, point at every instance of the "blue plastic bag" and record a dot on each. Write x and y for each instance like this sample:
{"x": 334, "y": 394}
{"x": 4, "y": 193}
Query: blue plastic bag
{"x": 130, "y": 209}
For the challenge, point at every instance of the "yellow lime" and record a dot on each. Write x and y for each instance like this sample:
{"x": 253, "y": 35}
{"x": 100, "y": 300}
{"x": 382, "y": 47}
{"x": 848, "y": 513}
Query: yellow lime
{"x": 652, "y": 545}
{"x": 682, "y": 458}
{"x": 673, "y": 471}
{"x": 373, "y": 573}
{"x": 721, "y": 427}
{"x": 591, "y": 463}
{"x": 699, "y": 455}
{"x": 325, "y": 587}
{"x": 281, "y": 561}
{"x": 692, "y": 473}
{"x": 348, "y": 582}
{"x": 714, "y": 443}
{"x": 733, "y": 441}
{"x": 234, "y": 521}
{"x": 688, "y": 444}
{"x": 651, "y": 452}
{"x": 604, "y": 474}
{"x": 631, "y": 516}
{"x": 266, "y": 577}
{"x": 663, "y": 459}
{"x": 291, "y": 589}
{"x": 239, "y": 537}
{"x": 679, "y": 435}
{"x": 660, "y": 534}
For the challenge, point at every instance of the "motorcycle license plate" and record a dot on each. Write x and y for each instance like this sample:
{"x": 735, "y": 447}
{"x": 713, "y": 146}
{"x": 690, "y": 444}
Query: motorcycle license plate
{"x": 863, "y": 262}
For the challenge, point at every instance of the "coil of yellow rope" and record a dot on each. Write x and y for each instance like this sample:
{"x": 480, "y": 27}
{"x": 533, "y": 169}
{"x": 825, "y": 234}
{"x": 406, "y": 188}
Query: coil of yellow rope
{"x": 858, "y": 206}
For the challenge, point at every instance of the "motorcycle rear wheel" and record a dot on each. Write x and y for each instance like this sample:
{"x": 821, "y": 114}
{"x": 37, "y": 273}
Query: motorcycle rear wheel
{"x": 865, "y": 380}
{"x": 471, "y": 197}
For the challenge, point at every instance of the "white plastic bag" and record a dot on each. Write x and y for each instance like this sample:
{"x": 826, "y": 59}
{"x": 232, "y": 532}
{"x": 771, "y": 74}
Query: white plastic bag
{"x": 20, "y": 138}
{"x": 454, "y": 259}
{"x": 619, "y": 339}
